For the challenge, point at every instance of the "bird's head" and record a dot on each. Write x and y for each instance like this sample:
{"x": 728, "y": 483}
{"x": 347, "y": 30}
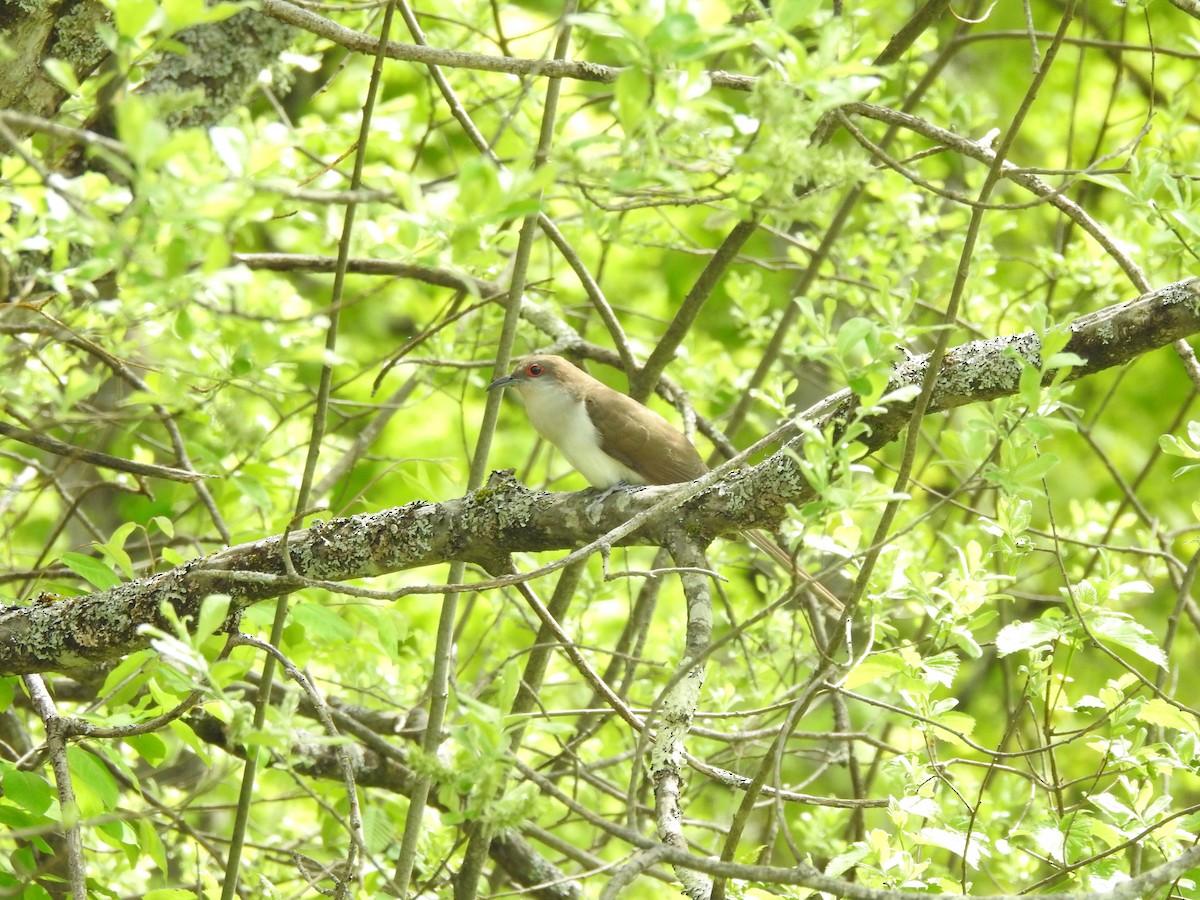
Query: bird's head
{"x": 537, "y": 373}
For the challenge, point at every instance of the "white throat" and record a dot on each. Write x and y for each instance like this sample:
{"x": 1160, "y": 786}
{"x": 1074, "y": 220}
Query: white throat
{"x": 563, "y": 420}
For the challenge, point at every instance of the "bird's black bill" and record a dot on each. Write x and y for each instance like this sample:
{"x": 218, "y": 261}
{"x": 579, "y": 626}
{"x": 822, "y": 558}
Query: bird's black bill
{"x": 501, "y": 382}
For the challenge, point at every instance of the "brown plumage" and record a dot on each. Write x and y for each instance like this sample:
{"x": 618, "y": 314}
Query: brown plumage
{"x": 607, "y": 436}
{"x": 612, "y": 439}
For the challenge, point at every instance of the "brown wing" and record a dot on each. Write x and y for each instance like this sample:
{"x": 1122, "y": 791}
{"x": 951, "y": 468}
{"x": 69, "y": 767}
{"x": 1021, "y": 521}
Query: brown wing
{"x": 642, "y": 440}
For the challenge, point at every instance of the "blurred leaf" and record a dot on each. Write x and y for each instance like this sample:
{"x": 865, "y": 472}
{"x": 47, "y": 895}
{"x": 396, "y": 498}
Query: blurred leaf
{"x": 28, "y": 790}
{"x": 321, "y": 624}
{"x": 94, "y": 571}
{"x": 1125, "y": 632}
{"x": 114, "y": 549}
{"x": 133, "y": 17}
{"x": 1027, "y": 636}
{"x": 214, "y": 609}
{"x": 633, "y": 92}
{"x": 972, "y": 849}
{"x": 62, "y": 74}
{"x": 95, "y": 788}
{"x": 1157, "y": 711}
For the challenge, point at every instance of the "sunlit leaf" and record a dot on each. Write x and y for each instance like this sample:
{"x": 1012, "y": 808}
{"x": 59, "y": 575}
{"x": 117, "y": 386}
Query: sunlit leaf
{"x": 1027, "y": 636}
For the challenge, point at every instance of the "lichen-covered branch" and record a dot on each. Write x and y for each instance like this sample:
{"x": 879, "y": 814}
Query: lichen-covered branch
{"x": 435, "y": 56}
{"x": 974, "y": 372}
{"x": 504, "y": 517}
{"x": 677, "y": 706}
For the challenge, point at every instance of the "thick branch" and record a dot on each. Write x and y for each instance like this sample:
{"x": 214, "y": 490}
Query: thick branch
{"x": 504, "y": 517}
{"x": 974, "y": 372}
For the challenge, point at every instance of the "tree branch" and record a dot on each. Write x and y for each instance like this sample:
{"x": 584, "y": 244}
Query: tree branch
{"x": 95, "y": 457}
{"x": 504, "y": 517}
{"x": 454, "y": 59}
{"x": 382, "y": 765}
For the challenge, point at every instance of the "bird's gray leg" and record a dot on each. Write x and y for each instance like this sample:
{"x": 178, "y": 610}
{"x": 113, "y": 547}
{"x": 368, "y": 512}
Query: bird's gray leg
{"x": 593, "y": 507}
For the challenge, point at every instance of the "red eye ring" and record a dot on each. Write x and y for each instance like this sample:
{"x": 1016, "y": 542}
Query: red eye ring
{"x": 533, "y": 370}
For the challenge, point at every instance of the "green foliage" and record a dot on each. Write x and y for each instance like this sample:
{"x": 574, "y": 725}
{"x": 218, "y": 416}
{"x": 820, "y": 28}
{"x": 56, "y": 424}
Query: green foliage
{"x": 1013, "y": 690}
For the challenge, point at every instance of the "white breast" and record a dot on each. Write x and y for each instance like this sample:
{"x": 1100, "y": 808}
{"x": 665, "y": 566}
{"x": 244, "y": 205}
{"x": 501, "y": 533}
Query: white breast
{"x": 563, "y": 420}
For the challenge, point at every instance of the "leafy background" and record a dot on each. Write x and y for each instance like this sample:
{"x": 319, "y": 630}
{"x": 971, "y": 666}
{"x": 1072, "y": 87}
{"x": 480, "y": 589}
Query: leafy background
{"x": 1016, "y": 712}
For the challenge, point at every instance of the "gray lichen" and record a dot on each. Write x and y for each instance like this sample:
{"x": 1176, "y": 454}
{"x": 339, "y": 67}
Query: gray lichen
{"x": 224, "y": 64}
{"x": 78, "y": 41}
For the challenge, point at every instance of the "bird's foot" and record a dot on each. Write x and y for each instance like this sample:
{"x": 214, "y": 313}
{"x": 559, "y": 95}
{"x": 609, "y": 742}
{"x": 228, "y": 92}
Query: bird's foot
{"x": 593, "y": 507}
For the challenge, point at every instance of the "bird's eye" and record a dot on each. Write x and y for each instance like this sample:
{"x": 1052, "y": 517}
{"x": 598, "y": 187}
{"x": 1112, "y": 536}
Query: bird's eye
{"x": 534, "y": 370}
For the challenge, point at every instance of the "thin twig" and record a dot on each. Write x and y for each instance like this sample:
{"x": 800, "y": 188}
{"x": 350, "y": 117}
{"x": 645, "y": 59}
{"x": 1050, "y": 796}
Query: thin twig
{"x": 56, "y": 746}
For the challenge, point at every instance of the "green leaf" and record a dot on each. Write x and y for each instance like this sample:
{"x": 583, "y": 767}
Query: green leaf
{"x": 149, "y": 747}
{"x": 15, "y": 818}
{"x": 230, "y": 147}
{"x": 254, "y": 491}
{"x": 676, "y": 38}
{"x": 126, "y": 678}
{"x": 92, "y": 570}
{"x": 1030, "y": 386}
{"x": 790, "y": 15}
{"x": 62, "y": 74}
{"x": 33, "y": 891}
{"x": 1077, "y": 834}
{"x": 1064, "y": 360}
{"x": 1125, "y": 632}
{"x": 28, "y": 790}
{"x": 95, "y": 788}
{"x": 322, "y": 623}
{"x": 388, "y": 625}
{"x": 509, "y": 683}
{"x": 632, "y": 93}
{"x": 956, "y": 842}
{"x": 960, "y": 722}
{"x": 213, "y": 611}
{"x": 378, "y": 828}
{"x": 1157, "y": 711}
{"x": 940, "y": 669}
{"x": 874, "y": 668}
{"x": 182, "y": 14}
{"x": 133, "y": 17}
{"x": 1035, "y": 469}
{"x": 114, "y": 549}
{"x": 140, "y": 129}
{"x": 120, "y": 836}
{"x": 1027, "y": 636}
{"x": 151, "y": 845}
{"x": 184, "y": 325}
{"x": 607, "y": 26}
{"x": 1053, "y": 340}
{"x": 844, "y": 862}
{"x": 965, "y": 639}
{"x": 190, "y": 740}
{"x": 1108, "y": 181}
{"x": 853, "y": 333}
{"x": 1174, "y": 446}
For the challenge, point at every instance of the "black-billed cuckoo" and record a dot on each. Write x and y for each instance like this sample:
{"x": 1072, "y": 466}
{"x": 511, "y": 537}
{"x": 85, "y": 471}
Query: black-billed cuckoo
{"x": 611, "y": 439}
{"x": 608, "y": 437}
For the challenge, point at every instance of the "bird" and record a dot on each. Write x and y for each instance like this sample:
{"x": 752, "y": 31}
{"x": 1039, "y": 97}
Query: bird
{"x": 607, "y": 436}
{"x": 612, "y": 440}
